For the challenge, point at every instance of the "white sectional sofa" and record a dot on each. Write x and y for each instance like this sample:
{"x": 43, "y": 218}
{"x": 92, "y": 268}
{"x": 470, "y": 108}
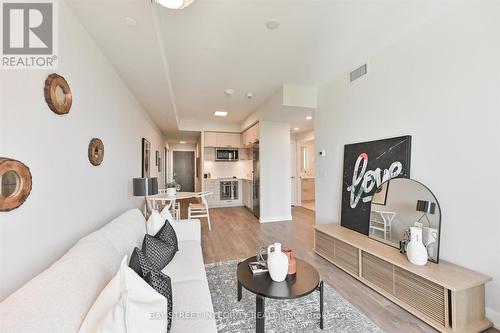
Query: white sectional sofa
{"x": 58, "y": 299}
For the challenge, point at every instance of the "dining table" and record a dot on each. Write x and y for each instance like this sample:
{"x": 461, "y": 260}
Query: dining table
{"x": 168, "y": 200}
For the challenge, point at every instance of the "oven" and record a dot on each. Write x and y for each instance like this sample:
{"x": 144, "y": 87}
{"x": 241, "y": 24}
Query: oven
{"x": 228, "y": 190}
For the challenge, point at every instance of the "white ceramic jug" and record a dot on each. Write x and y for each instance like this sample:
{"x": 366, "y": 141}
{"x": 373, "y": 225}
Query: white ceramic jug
{"x": 416, "y": 251}
{"x": 277, "y": 262}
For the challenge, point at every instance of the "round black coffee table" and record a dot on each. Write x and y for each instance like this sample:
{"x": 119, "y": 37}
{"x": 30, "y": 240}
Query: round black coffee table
{"x": 304, "y": 282}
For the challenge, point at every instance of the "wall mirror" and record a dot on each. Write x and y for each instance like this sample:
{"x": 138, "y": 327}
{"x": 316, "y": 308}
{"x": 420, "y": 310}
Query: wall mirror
{"x": 15, "y": 184}
{"x": 96, "y": 151}
{"x": 57, "y": 94}
{"x": 401, "y": 203}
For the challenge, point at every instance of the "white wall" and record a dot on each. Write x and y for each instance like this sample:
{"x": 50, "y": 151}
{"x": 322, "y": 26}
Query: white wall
{"x": 440, "y": 84}
{"x": 275, "y": 187}
{"x": 70, "y": 197}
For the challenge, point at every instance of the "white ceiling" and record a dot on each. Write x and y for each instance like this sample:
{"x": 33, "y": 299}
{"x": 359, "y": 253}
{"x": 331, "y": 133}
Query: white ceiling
{"x": 179, "y": 62}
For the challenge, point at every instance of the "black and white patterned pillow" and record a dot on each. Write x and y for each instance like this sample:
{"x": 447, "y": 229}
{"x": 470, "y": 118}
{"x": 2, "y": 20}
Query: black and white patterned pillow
{"x": 140, "y": 264}
{"x": 162, "y": 284}
{"x": 158, "y": 252}
{"x": 167, "y": 234}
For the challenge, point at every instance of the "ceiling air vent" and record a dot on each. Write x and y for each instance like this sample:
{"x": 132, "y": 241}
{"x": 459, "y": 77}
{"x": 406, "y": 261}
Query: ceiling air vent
{"x": 358, "y": 72}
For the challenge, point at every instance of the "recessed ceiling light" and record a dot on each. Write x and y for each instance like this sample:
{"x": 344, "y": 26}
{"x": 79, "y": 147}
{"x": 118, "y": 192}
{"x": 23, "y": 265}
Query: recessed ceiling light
{"x": 229, "y": 91}
{"x": 130, "y": 21}
{"x": 175, "y": 4}
{"x": 182, "y": 142}
{"x": 272, "y": 24}
{"x": 309, "y": 117}
{"x": 220, "y": 113}
{"x": 296, "y": 128}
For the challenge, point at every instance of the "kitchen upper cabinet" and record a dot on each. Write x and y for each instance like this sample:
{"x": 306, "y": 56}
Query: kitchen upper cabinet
{"x": 210, "y": 139}
{"x": 232, "y": 140}
{"x": 222, "y": 140}
{"x": 209, "y": 154}
{"x": 250, "y": 135}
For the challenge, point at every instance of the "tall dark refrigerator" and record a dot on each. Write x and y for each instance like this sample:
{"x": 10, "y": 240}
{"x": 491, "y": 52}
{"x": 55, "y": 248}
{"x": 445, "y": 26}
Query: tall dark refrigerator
{"x": 256, "y": 180}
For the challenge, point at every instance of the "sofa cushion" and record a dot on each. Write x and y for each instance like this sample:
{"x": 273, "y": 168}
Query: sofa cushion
{"x": 187, "y": 263}
{"x": 154, "y": 223}
{"x": 123, "y": 233}
{"x": 166, "y": 215}
{"x": 168, "y": 235}
{"x": 187, "y": 230}
{"x": 58, "y": 299}
{"x": 193, "y": 309}
{"x": 126, "y": 305}
{"x": 157, "y": 251}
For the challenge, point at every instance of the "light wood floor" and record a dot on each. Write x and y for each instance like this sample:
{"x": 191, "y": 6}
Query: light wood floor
{"x": 237, "y": 234}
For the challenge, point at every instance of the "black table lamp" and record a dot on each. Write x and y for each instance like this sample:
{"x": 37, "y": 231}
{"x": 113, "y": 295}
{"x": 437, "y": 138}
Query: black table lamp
{"x": 142, "y": 187}
{"x": 426, "y": 207}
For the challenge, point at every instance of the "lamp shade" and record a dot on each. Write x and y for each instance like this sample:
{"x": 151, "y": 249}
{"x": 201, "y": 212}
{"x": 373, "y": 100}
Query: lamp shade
{"x": 139, "y": 186}
{"x": 152, "y": 186}
{"x": 426, "y": 206}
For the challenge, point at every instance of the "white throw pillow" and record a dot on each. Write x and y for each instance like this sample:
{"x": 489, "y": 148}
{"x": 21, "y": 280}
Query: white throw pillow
{"x": 166, "y": 215}
{"x": 154, "y": 223}
{"x": 127, "y": 304}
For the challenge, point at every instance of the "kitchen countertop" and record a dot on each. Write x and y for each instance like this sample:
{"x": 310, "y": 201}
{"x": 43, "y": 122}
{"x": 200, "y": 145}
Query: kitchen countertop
{"x": 226, "y": 179}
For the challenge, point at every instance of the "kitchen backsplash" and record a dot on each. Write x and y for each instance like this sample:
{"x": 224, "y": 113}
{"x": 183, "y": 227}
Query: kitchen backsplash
{"x": 239, "y": 169}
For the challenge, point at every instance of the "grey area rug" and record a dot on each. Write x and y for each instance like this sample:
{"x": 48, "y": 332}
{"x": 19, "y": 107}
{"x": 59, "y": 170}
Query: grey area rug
{"x": 298, "y": 315}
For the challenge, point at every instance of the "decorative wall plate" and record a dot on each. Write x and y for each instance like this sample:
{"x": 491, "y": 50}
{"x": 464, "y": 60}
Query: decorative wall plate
{"x": 96, "y": 151}
{"x": 57, "y": 94}
{"x": 15, "y": 184}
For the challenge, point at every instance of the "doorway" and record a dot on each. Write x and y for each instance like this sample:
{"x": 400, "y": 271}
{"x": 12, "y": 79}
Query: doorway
{"x": 307, "y": 155}
{"x": 293, "y": 172}
{"x": 183, "y": 169}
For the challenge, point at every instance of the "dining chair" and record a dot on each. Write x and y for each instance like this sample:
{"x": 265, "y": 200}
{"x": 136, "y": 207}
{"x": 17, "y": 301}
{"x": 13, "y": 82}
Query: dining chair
{"x": 200, "y": 209}
{"x": 177, "y": 207}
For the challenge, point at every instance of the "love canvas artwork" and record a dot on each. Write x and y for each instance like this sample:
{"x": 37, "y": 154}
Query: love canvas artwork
{"x": 366, "y": 166}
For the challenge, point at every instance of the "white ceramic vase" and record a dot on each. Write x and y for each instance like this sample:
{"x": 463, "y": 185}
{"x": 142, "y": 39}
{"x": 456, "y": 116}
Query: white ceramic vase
{"x": 416, "y": 251}
{"x": 277, "y": 262}
{"x": 171, "y": 191}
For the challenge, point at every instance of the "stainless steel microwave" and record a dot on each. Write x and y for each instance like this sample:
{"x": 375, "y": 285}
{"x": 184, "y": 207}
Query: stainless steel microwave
{"x": 226, "y": 154}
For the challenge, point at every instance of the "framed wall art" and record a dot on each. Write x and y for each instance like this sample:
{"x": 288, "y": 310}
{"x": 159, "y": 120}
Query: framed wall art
{"x": 366, "y": 166}
{"x": 146, "y": 158}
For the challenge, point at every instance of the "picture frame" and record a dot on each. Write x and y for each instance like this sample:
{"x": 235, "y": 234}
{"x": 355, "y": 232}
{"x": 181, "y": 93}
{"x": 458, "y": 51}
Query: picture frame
{"x": 157, "y": 158}
{"x": 146, "y": 158}
{"x": 367, "y": 165}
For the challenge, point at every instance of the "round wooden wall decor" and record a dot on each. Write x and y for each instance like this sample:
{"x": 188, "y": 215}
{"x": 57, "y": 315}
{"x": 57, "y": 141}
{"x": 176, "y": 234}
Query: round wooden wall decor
{"x": 57, "y": 94}
{"x": 96, "y": 151}
{"x": 15, "y": 184}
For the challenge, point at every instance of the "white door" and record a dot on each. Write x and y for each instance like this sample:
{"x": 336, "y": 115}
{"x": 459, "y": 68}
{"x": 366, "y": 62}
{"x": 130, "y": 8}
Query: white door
{"x": 293, "y": 172}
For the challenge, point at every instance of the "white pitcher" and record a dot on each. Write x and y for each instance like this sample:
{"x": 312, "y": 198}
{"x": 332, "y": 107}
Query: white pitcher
{"x": 416, "y": 251}
{"x": 277, "y": 262}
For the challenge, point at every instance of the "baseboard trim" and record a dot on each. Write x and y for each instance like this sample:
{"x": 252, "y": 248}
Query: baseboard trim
{"x": 276, "y": 219}
{"x": 494, "y": 316}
